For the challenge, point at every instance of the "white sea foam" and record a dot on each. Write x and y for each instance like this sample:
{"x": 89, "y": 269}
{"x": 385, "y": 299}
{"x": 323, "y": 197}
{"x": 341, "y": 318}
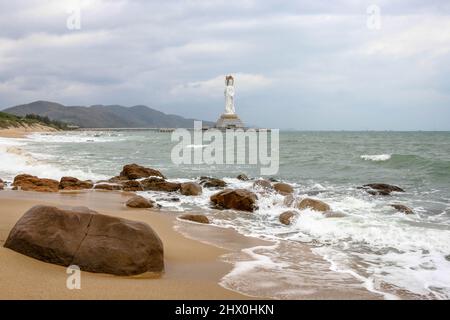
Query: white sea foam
{"x": 376, "y": 157}
{"x": 74, "y": 137}
{"x": 16, "y": 160}
{"x": 396, "y": 250}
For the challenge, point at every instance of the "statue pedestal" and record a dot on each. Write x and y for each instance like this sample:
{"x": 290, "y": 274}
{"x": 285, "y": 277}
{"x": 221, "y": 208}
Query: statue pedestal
{"x": 229, "y": 121}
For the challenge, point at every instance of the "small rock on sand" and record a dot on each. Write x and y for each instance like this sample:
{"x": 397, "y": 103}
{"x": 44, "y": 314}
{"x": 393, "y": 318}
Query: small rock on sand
{"x": 199, "y": 218}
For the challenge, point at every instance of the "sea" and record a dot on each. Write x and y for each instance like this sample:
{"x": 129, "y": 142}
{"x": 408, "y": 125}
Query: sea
{"x": 386, "y": 252}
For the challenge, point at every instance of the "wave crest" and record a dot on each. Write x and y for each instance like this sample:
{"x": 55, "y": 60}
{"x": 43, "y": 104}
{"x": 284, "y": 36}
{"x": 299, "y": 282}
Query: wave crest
{"x": 376, "y": 157}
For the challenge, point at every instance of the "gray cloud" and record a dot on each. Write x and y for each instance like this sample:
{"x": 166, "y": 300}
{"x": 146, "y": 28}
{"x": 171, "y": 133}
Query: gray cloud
{"x": 298, "y": 64}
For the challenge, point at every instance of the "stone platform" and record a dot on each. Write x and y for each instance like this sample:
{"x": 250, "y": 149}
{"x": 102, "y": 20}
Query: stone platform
{"x": 229, "y": 121}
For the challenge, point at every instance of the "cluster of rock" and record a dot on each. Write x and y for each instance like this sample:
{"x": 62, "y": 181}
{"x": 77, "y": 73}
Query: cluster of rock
{"x": 92, "y": 241}
{"x": 134, "y": 177}
{"x": 105, "y": 244}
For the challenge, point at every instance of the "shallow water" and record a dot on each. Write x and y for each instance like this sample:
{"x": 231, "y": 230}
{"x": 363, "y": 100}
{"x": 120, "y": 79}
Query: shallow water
{"x": 385, "y": 251}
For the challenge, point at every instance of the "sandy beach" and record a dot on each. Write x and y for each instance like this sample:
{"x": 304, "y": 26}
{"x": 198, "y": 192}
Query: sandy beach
{"x": 193, "y": 269}
{"x": 21, "y": 132}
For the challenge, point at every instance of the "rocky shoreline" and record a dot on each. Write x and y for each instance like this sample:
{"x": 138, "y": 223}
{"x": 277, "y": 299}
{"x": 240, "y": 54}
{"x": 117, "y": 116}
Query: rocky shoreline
{"x": 34, "y": 234}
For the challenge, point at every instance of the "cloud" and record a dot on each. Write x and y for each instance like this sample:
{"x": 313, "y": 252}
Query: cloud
{"x": 300, "y": 64}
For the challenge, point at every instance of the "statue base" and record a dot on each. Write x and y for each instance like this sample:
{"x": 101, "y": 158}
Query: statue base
{"x": 229, "y": 121}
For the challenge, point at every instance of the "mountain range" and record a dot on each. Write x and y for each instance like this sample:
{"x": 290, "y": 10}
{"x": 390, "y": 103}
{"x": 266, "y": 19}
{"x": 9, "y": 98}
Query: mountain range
{"x": 101, "y": 116}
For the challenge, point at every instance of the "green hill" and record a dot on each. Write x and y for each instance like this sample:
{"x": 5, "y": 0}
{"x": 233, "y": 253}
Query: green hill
{"x": 100, "y": 116}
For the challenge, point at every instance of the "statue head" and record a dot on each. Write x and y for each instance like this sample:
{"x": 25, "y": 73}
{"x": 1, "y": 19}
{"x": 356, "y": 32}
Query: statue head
{"x": 229, "y": 80}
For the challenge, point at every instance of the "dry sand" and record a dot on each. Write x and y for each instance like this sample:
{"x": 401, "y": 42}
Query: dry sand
{"x": 20, "y": 132}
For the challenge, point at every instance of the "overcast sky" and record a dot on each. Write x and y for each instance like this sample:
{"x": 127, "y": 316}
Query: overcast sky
{"x": 297, "y": 64}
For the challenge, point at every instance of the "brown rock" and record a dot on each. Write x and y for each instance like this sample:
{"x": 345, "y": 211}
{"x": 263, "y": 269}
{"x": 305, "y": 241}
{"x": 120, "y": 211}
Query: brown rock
{"x": 28, "y": 182}
{"x": 117, "y": 179}
{"x": 262, "y": 184}
{"x": 108, "y": 186}
{"x": 94, "y": 242}
{"x": 190, "y": 189}
{"x": 70, "y": 183}
{"x": 402, "y": 208}
{"x": 2, "y": 184}
{"x": 139, "y": 202}
{"x": 283, "y": 188}
{"x": 381, "y": 189}
{"x": 157, "y": 184}
{"x": 313, "y": 204}
{"x": 286, "y": 217}
{"x": 132, "y": 185}
{"x": 239, "y": 199}
{"x": 242, "y": 177}
{"x": 134, "y": 171}
{"x": 208, "y": 182}
{"x": 199, "y": 218}
{"x": 288, "y": 200}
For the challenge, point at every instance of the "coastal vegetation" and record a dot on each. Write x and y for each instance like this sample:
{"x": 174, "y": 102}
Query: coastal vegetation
{"x": 12, "y": 121}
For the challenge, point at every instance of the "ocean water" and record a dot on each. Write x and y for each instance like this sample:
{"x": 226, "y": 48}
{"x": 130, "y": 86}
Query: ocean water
{"x": 384, "y": 251}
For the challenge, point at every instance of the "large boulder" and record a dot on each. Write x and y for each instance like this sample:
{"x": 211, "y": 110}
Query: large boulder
{"x": 157, "y": 184}
{"x": 402, "y": 208}
{"x": 190, "y": 189}
{"x": 313, "y": 204}
{"x": 2, "y": 184}
{"x": 92, "y": 241}
{"x": 71, "y": 183}
{"x": 283, "y": 188}
{"x": 108, "y": 186}
{"x": 286, "y": 217}
{"x": 262, "y": 184}
{"x": 199, "y": 218}
{"x": 238, "y": 199}
{"x": 134, "y": 171}
{"x": 382, "y": 189}
{"x": 140, "y": 202}
{"x": 28, "y": 182}
{"x": 209, "y": 182}
{"x": 132, "y": 185}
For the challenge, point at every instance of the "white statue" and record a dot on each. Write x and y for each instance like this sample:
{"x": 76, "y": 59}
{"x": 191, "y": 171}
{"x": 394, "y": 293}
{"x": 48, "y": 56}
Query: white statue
{"x": 229, "y": 95}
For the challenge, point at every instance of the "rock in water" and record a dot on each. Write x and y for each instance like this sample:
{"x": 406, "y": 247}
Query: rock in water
{"x": 139, "y": 202}
{"x": 108, "y": 186}
{"x": 286, "y": 217}
{"x": 313, "y": 204}
{"x": 199, "y": 218}
{"x": 190, "y": 189}
{"x": 132, "y": 186}
{"x": 283, "y": 188}
{"x": 2, "y": 184}
{"x": 262, "y": 184}
{"x": 288, "y": 200}
{"x": 381, "y": 189}
{"x": 239, "y": 199}
{"x": 208, "y": 182}
{"x": 28, "y": 182}
{"x": 402, "y": 208}
{"x": 134, "y": 171}
{"x": 242, "y": 177}
{"x": 94, "y": 242}
{"x": 157, "y": 184}
{"x": 71, "y": 183}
